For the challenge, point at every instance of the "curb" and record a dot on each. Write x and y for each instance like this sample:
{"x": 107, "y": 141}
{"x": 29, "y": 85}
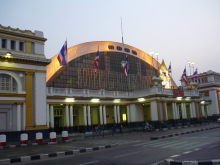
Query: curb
{"x": 182, "y": 133}
{"x": 208, "y": 162}
{"x": 53, "y": 154}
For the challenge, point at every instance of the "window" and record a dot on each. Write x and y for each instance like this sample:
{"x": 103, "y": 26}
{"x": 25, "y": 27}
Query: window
{"x": 127, "y": 50}
{"x": 21, "y": 46}
{"x": 110, "y": 47}
{"x": 32, "y": 47}
{"x": 4, "y": 43}
{"x": 119, "y": 48}
{"x": 12, "y": 45}
{"x": 134, "y": 52}
{"x": 7, "y": 83}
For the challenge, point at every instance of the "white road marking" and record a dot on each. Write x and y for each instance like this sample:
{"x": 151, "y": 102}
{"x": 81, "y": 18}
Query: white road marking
{"x": 92, "y": 162}
{"x": 173, "y": 156}
{"x": 187, "y": 152}
{"x": 127, "y": 154}
{"x": 197, "y": 149}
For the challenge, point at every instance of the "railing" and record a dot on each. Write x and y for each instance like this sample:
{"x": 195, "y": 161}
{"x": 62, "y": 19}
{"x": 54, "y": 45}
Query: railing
{"x": 115, "y": 94}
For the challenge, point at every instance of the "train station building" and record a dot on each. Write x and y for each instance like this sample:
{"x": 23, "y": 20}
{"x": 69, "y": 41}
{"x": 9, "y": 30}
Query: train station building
{"x": 37, "y": 93}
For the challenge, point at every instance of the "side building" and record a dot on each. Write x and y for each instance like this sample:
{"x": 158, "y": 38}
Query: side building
{"x": 22, "y": 80}
{"x": 209, "y": 90}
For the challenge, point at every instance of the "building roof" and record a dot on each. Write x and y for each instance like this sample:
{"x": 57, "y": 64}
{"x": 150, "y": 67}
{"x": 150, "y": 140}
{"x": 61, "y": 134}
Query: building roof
{"x": 104, "y": 46}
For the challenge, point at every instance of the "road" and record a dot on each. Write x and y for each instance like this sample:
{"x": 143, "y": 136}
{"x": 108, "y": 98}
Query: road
{"x": 142, "y": 152}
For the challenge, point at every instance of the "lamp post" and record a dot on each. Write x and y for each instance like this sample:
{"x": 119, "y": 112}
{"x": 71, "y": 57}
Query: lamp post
{"x": 191, "y": 65}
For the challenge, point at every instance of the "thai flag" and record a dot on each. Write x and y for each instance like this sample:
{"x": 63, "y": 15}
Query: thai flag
{"x": 126, "y": 66}
{"x": 195, "y": 74}
{"x": 62, "y": 56}
{"x": 169, "y": 69}
{"x": 184, "y": 77}
{"x": 96, "y": 60}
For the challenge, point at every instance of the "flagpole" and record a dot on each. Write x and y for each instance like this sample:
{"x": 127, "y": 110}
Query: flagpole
{"x": 122, "y": 38}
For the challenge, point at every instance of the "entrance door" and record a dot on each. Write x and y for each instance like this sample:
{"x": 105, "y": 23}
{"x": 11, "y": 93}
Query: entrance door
{"x": 57, "y": 122}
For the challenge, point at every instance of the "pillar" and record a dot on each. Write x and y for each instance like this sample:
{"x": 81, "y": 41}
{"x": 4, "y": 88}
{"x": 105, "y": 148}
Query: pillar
{"x": 18, "y": 117}
{"x": 89, "y": 115}
{"x": 115, "y": 114}
{"x": 118, "y": 113}
{"x": 128, "y": 114}
{"x": 71, "y": 115}
{"x": 48, "y": 115}
{"x": 24, "y": 117}
{"x": 174, "y": 111}
{"x": 203, "y": 110}
{"x": 183, "y": 107}
{"x": 29, "y": 97}
{"x": 51, "y": 116}
{"x": 104, "y": 114}
{"x": 100, "y": 115}
{"x": 85, "y": 115}
{"x": 165, "y": 111}
{"x": 67, "y": 115}
{"x": 154, "y": 111}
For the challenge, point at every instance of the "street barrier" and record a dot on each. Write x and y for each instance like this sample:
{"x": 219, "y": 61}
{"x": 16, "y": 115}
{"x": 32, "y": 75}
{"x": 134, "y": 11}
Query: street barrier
{"x": 2, "y": 140}
{"x": 53, "y": 137}
{"x": 39, "y": 138}
{"x": 65, "y": 136}
{"x": 24, "y": 139}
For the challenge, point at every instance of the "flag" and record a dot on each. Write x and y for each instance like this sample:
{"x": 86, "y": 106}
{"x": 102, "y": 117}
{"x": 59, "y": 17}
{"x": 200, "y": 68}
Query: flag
{"x": 96, "y": 60}
{"x": 184, "y": 77}
{"x": 125, "y": 66}
{"x": 169, "y": 69}
{"x": 195, "y": 74}
{"x": 62, "y": 56}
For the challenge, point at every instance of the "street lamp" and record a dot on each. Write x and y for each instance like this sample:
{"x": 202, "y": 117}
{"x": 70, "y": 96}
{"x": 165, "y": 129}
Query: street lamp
{"x": 191, "y": 65}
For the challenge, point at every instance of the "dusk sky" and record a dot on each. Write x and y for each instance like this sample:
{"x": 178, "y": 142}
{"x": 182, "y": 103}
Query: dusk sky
{"x": 180, "y": 30}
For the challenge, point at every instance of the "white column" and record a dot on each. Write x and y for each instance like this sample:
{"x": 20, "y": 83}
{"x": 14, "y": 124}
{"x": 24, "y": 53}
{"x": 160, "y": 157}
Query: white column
{"x": 115, "y": 114}
{"x": 85, "y": 115}
{"x": 191, "y": 110}
{"x": 165, "y": 111}
{"x": 128, "y": 114}
{"x": 48, "y": 115}
{"x": 194, "y": 109}
{"x": 104, "y": 114}
{"x": 67, "y": 115}
{"x": 100, "y": 115}
{"x": 183, "y": 107}
{"x": 18, "y": 117}
{"x": 89, "y": 115}
{"x": 118, "y": 113}
{"x": 153, "y": 110}
{"x": 51, "y": 116}
{"x": 24, "y": 117}
{"x": 203, "y": 110}
{"x": 71, "y": 115}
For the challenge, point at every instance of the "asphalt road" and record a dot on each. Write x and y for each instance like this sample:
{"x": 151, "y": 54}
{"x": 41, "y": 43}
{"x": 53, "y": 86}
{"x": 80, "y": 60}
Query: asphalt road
{"x": 137, "y": 151}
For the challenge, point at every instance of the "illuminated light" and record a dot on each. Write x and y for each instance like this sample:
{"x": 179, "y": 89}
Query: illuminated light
{"x": 124, "y": 117}
{"x": 141, "y": 99}
{"x": 95, "y": 100}
{"x": 202, "y": 102}
{"x": 8, "y": 55}
{"x": 69, "y": 100}
{"x": 179, "y": 98}
{"x": 188, "y": 98}
{"x": 116, "y": 101}
{"x": 61, "y": 104}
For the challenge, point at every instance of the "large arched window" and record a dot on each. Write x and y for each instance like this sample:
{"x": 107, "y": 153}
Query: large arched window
{"x": 7, "y": 84}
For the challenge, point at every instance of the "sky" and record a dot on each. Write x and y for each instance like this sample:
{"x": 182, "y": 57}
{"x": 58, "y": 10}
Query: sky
{"x": 180, "y": 30}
